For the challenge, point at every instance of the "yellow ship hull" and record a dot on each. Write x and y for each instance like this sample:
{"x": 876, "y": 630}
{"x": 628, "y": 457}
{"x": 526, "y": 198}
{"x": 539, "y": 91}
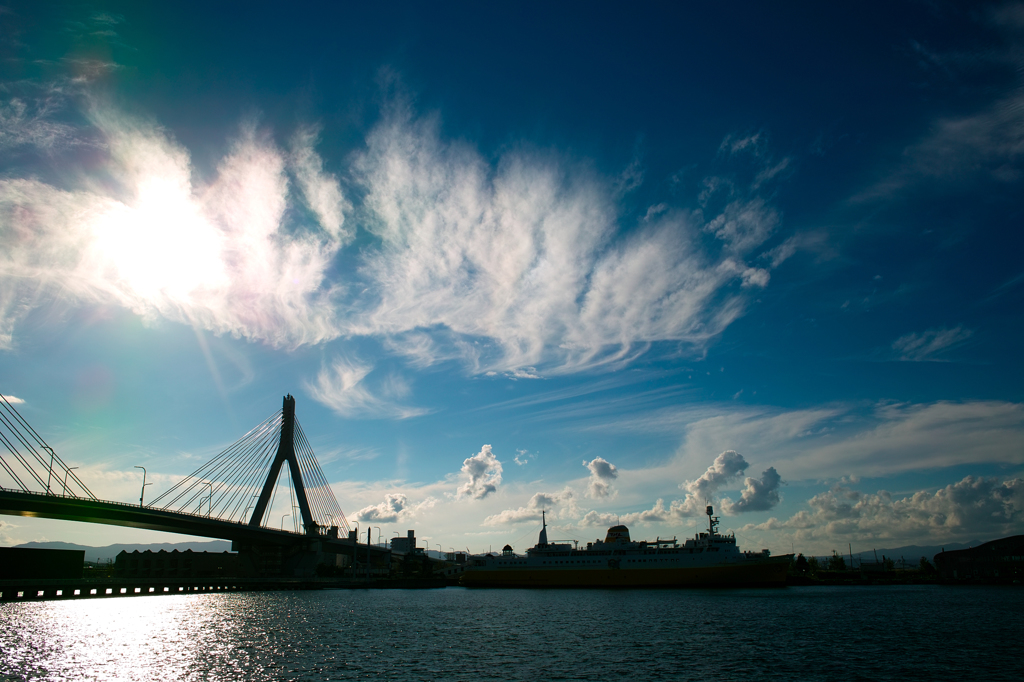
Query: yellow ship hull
{"x": 767, "y": 573}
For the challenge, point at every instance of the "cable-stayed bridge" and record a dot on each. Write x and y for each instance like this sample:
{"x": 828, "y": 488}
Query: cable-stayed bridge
{"x": 213, "y": 501}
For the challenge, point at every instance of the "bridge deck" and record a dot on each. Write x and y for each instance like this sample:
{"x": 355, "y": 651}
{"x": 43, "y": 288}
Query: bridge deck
{"x": 41, "y": 505}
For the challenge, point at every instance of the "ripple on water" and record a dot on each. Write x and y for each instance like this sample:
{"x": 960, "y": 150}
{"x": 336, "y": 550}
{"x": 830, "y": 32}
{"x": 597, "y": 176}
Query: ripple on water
{"x": 813, "y": 633}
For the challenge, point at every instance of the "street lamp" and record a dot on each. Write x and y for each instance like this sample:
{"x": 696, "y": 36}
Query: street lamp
{"x": 144, "y": 484}
{"x": 66, "y": 471}
{"x": 50, "y": 472}
{"x": 379, "y": 533}
{"x": 209, "y": 504}
{"x": 247, "y": 508}
{"x": 283, "y": 517}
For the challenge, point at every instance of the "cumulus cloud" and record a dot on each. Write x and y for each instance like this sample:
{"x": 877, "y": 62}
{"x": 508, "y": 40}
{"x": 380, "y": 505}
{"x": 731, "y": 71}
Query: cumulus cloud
{"x": 13, "y": 399}
{"x": 758, "y": 494}
{"x": 560, "y": 504}
{"x": 656, "y": 514}
{"x": 342, "y": 386}
{"x": 726, "y": 468}
{"x": 970, "y": 507}
{"x": 602, "y": 473}
{"x": 395, "y": 507}
{"x": 481, "y": 474}
{"x": 387, "y": 511}
{"x": 929, "y": 345}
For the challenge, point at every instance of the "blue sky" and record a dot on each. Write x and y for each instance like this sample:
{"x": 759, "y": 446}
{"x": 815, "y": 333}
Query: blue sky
{"x": 601, "y": 261}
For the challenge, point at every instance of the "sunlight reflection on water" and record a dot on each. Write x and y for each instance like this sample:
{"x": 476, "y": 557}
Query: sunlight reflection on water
{"x": 810, "y": 633}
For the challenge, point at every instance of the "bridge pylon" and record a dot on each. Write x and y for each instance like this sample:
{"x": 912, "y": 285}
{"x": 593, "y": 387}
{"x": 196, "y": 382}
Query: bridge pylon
{"x": 285, "y": 453}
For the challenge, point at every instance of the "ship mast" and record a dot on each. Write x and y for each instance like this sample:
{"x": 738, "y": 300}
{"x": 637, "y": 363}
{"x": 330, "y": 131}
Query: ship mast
{"x": 712, "y": 522}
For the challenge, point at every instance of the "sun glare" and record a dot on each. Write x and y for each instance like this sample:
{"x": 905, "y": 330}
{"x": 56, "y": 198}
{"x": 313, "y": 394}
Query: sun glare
{"x": 161, "y": 248}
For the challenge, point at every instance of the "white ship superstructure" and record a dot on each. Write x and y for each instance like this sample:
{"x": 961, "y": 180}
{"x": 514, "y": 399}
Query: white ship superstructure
{"x": 706, "y": 559}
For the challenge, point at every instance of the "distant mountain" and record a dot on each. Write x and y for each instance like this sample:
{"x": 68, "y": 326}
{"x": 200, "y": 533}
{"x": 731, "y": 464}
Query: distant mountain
{"x": 911, "y": 553}
{"x": 111, "y": 551}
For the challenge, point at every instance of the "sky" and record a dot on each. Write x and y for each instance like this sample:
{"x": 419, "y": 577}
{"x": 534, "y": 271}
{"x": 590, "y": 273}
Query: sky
{"x": 601, "y": 261}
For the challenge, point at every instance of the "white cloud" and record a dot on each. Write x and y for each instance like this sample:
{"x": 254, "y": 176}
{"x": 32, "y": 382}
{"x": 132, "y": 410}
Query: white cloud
{"x": 523, "y": 457}
{"x": 847, "y": 439}
{"x": 753, "y": 144}
{"x": 906, "y": 437}
{"x": 321, "y": 191}
{"x": 6, "y": 537}
{"x": 518, "y": 267}
{"x": 524, "y": 259}
{"x": 342, "y": 386}
{"x": 602, "y": 473}
{"x": 656, "y": 514}
{"x": 744, "y": 225}
{"x": 964, "y": 510}
{"x": 14, "y": 400}
{"x": 28, "y": 121}
{"x": 481, "y": 474}
{"x": 387, "y": 511}
{"x": 558, "y": 505}
{"x": 218, "y": 255}
{"x": 726, "y": 468}
{"x": 929, "y": 345}
{"x": 523, "y": 373}
{"x": 758, "y": 494}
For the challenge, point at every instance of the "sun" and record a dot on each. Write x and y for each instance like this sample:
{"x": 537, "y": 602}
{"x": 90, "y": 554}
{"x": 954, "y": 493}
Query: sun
{"x": 160, "y": 248}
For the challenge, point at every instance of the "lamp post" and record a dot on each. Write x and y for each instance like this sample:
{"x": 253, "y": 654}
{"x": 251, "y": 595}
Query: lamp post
{"x": 283, "y": 517}
{"x": 249, "y": 506}
{"x": 369, "y": 541}
{"x": 66, "y": 471}
{"x": 209, "y": 504}
{"x": 379, "y": 533}
{"x": 144, "y": 484}
{"x": 50, "y": 472}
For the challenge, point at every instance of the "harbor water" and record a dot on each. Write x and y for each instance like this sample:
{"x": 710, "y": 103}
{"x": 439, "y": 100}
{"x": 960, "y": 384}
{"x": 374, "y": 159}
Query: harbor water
{"x": 805, "y": 633}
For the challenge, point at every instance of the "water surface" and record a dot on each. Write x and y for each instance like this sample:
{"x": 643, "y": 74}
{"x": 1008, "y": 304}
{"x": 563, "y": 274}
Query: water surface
{"x": 807, "y": 633}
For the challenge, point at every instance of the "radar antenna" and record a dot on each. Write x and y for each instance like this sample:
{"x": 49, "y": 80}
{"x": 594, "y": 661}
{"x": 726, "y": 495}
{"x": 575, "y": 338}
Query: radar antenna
{"x": 712, "y": 521}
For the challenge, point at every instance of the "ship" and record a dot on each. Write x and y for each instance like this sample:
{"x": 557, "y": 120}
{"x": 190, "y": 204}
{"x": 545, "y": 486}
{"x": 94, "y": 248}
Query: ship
{"x": 708, "y": 559}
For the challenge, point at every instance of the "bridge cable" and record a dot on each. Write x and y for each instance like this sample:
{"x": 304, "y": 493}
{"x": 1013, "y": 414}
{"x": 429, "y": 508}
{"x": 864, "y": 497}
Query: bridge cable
{"x": 195, "y": 480}
{"x": 54, "y": 457}
{"x": 247, "y": 466}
